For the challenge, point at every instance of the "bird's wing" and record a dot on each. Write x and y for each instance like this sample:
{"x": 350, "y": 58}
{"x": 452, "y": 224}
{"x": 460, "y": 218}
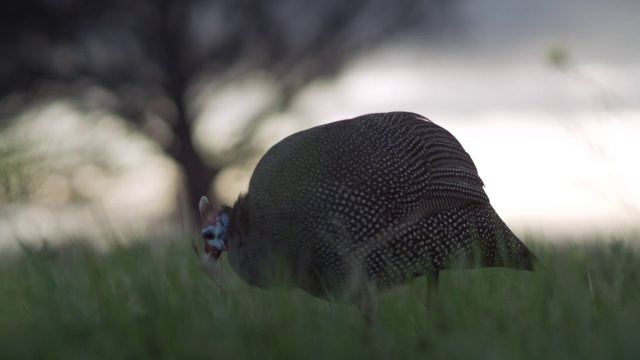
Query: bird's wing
{"x": 426, "y": 167}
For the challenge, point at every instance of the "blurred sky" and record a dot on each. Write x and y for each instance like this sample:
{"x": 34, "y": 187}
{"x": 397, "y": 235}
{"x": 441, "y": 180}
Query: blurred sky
{"x": 557, "y": 147}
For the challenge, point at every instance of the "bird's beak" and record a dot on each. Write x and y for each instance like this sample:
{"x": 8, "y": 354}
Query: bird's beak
{"x": 212, "y": 253}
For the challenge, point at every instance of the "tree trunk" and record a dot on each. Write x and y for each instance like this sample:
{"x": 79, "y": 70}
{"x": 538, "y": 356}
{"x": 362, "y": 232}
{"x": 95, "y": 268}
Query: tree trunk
{"x": 197, "y": 177}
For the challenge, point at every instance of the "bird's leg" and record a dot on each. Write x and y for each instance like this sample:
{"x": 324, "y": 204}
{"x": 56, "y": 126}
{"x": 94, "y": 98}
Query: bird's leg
{"x": 433, "y": 279}
{"x": 364, "y": 302}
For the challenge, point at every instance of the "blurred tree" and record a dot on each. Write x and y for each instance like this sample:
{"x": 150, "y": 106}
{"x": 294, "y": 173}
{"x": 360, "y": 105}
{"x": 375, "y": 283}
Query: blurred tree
{"x": 16, "y": 177}
{"x": 146, "y": 59}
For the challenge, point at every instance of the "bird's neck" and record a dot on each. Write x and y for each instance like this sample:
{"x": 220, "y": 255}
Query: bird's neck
{"x": 253, "y": 255}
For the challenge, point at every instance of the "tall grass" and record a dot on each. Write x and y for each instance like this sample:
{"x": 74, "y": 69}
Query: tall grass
{"x": 153, "y": 300}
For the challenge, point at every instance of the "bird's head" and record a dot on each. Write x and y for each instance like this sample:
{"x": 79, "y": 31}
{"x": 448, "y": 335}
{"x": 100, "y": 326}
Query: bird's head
{"x": 215, "y": 225}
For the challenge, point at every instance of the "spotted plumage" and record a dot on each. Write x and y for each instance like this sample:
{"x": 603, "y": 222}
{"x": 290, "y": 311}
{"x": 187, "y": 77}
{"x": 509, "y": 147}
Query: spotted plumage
{"x": 369, "y": 202}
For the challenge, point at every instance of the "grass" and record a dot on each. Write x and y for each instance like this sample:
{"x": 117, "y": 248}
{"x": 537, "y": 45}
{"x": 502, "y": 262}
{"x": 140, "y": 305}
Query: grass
{"x": 153, "y": 300}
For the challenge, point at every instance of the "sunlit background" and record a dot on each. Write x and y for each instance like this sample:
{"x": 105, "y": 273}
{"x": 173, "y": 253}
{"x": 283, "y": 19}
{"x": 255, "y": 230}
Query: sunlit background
{"x": 117, "y": 116}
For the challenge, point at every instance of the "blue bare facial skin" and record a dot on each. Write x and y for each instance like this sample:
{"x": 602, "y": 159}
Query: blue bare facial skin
{"x": 215, "y": 236}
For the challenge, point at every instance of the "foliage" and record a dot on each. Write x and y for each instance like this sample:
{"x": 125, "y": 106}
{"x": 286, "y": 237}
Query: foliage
{"x": 17, "y": 169}
{"x": 152, "y": 300}
{"x": 151, "y": 60}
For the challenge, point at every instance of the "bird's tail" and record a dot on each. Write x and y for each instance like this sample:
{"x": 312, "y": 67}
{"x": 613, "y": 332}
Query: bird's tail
{"x": 496, "y": 245}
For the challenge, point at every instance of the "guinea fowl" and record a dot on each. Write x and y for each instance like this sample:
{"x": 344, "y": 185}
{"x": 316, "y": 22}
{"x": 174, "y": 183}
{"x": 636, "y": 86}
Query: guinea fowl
{"x": 361, "y": 204}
